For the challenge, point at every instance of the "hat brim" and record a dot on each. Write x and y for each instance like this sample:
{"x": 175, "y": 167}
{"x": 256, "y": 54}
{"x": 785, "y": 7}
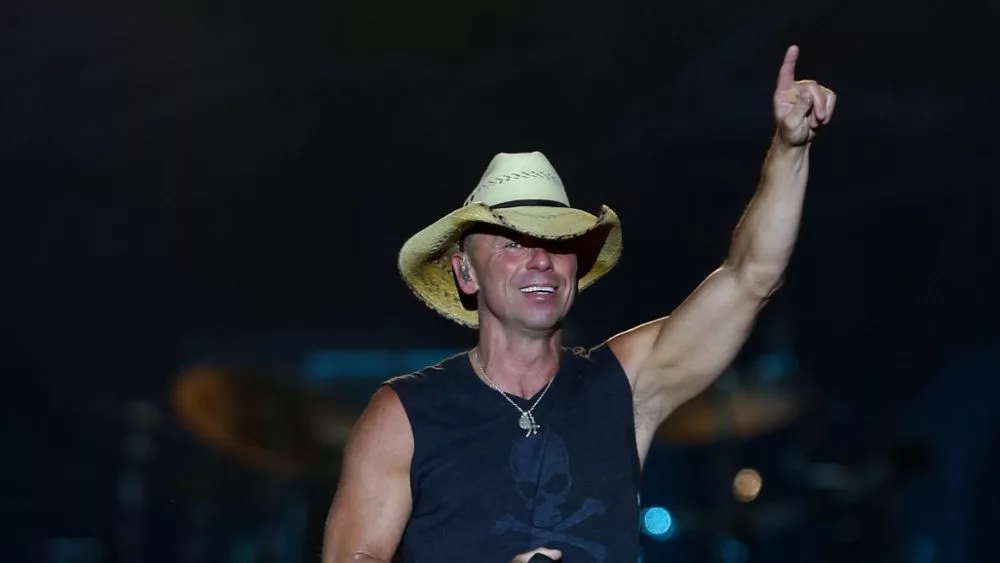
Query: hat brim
{"x": 425, "y": 258}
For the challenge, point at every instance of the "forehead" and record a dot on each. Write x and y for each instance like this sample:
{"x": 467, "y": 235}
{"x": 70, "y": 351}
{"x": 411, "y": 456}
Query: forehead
{"x": 492, "y": 237}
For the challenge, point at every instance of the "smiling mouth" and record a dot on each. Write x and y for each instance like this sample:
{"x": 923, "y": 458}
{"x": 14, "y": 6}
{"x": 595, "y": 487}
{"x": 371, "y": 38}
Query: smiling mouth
{"x": 538, "y": 289}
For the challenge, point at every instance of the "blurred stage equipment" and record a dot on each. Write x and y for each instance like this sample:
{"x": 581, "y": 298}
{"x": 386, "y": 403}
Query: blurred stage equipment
{"x": 289, "y": 436}
{"x": 263, "y": 423}
{"x": 141, "y": 421}
{"x": 735, "y": 407}
{"x": 746, "y": 402}
{"x": 890, "y": 467}
{"x": 224, "y": 510}
{"x": 744, "y": 412}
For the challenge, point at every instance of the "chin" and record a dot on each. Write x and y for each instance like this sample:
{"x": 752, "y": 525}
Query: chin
{"x": 544, "y": 326}
{"x": 539, "y": 323}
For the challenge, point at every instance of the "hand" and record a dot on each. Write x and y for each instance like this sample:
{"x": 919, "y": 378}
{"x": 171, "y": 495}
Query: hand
{"x": 550, "y": 553}
{"x": 800, "y": 107}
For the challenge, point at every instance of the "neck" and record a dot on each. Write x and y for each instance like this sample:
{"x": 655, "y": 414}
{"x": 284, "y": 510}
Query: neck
{"x": 520, "y": 364}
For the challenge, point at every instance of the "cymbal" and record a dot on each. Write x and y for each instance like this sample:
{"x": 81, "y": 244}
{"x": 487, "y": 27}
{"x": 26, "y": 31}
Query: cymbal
{"x": 742, "y": 413}
{"x": 261, "y": 422}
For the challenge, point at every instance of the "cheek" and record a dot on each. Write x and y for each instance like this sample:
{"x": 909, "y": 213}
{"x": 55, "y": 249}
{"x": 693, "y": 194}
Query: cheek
{"x": 503, "y": 269}
{"x": 497, "y": 278}
{"x": 566, "y": 265}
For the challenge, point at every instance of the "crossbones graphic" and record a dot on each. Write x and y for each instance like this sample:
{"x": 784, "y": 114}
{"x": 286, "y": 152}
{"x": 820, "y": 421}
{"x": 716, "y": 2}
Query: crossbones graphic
{"x": 543, "y": 480}
{"x": 590, "y": 507}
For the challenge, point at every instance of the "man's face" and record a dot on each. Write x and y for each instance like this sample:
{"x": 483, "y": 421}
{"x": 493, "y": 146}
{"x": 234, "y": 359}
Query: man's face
{"x": 527, "y": 283}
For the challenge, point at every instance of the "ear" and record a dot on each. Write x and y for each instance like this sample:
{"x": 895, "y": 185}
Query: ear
{"x": 463, "y": 273}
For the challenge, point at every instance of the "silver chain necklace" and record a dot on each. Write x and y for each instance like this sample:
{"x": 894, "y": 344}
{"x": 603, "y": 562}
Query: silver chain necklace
{"x": 527, "y": 420}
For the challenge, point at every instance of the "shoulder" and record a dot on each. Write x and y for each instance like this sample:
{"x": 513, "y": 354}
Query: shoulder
{"x": 373, "y": 500}
{"x": 429, "y": 374}
{"x": 429, "y": 380}
{"x": 383, "y": 430}
{"x": 632, "y": 347}
{"x": 423, "y": 392}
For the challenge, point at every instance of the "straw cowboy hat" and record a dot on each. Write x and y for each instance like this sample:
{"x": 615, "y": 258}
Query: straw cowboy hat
{"x": 521, "y": 192}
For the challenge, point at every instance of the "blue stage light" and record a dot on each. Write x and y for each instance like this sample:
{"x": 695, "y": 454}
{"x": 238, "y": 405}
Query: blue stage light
{"x": 657, "y": 522}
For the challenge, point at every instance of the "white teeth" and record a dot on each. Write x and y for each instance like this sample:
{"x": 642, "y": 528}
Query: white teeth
{"x": 537, "y": 288}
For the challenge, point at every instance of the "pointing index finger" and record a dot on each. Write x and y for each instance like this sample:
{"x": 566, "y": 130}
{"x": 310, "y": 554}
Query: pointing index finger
{"x": 786, "y": 76}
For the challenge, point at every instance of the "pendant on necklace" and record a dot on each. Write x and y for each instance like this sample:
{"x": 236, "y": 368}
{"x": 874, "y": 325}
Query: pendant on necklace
{"x": 527, "y": 423}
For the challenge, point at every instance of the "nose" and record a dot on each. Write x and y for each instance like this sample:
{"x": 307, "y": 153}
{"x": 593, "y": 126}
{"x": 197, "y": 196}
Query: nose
{"x": 540, "y": 259}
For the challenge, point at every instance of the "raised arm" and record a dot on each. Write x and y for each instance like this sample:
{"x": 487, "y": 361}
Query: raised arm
{"x": 372, "y": 503}
{"x": 672, "y": 359}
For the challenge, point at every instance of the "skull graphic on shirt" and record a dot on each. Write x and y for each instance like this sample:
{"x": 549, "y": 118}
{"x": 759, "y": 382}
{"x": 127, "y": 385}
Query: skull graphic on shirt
{"x": 541, "y": 471}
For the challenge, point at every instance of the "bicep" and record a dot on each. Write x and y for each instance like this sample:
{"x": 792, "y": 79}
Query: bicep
{"x": 702, "y": 337}
{"x": 373, "y": 502}
{"x": 675, "y": 358}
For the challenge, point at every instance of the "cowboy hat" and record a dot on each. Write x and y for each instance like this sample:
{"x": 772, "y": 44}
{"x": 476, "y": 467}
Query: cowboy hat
{"x": 523, "y": 193}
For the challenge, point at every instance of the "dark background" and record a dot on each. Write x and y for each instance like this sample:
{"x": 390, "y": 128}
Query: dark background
{"x": 184, "y": 172}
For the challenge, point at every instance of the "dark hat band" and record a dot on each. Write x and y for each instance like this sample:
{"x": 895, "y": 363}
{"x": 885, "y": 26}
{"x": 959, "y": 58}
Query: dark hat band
{"x": 529, "y": 203}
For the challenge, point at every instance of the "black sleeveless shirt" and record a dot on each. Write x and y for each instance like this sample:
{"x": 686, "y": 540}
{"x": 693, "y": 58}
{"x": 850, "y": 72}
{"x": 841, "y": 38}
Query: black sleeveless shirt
{"x": 483, "y": 491}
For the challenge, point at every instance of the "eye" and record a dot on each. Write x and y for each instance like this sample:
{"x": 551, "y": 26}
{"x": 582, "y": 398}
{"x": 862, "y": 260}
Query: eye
{"x": 512, "y": 244}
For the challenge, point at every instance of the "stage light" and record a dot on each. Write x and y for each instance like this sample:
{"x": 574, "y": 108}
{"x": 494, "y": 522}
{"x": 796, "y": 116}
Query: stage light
{"x": 733, "y": 551}
{"x": 657, "y": 522}
{"x": 747, "y": 485}
{"x": 922, "y": 550}
{"x": 775, "y": 367}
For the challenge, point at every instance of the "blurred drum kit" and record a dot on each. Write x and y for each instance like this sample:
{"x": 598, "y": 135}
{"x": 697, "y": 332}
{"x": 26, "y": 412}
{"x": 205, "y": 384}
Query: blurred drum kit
{"x": 240, "y": 464}
{"x": 263, "y": 423}
{"x": 268, "y": 451}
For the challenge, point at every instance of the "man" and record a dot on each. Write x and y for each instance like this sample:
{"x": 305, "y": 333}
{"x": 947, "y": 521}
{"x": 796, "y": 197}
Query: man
{"x": 521, "y": 447}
